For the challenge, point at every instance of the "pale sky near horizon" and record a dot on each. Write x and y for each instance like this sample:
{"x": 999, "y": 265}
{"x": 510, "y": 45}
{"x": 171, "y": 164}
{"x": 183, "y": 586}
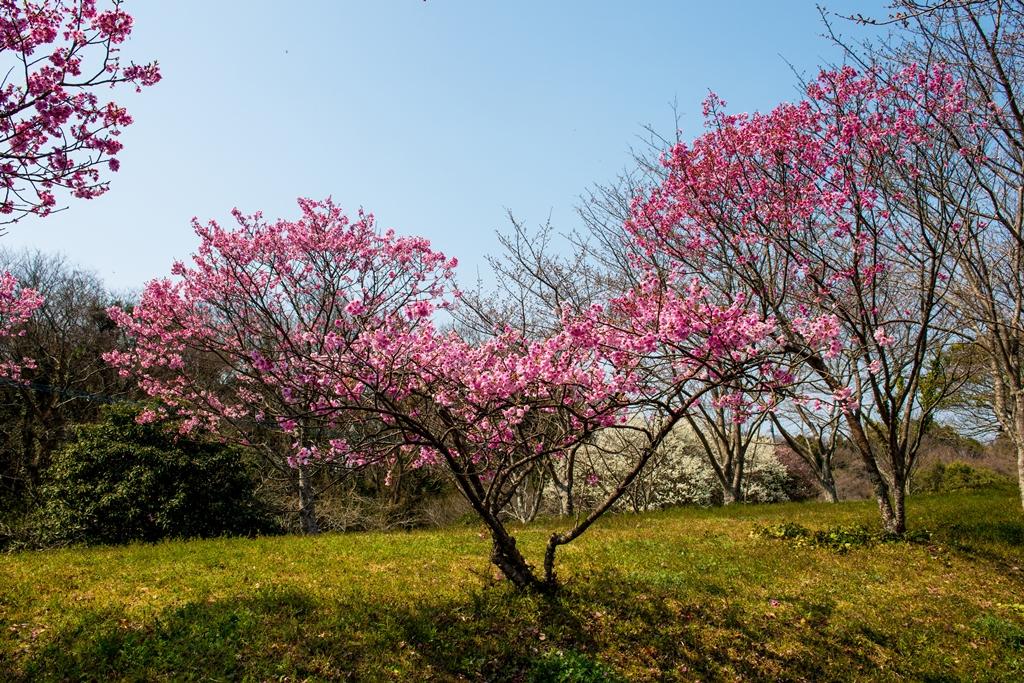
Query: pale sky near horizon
{"x": 436, "y": 116}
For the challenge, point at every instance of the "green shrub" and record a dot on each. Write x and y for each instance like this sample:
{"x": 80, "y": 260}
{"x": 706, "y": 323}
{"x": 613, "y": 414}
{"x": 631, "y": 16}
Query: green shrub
{"x": 569, "y": 667}
{"x": 841, "y": 538}
{"x": 118, "y": 481}
{"x": 957, "y": 476}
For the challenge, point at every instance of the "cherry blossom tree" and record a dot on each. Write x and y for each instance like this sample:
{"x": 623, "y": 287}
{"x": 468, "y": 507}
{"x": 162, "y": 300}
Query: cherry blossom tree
{"x": 238, "y": 343}
{"x": 322, "y": 329}
{"x": 976, "y": 161}
{"x": 16, "y": 306}
{"x": 802, "y": 208}
{"x": 57, "y": 132}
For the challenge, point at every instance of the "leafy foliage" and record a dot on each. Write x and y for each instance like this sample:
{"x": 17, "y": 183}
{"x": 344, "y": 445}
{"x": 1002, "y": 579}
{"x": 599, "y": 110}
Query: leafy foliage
{"x": 957, "y": 476}
{"x": 118, "y": 481}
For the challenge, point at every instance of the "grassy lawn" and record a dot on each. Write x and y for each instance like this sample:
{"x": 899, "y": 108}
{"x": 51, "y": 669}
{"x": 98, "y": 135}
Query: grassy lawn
{"x": 678, "y": 595}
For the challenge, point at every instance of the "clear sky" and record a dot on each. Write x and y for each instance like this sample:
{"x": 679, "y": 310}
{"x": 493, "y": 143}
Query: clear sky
{"x": 436, "y": 116}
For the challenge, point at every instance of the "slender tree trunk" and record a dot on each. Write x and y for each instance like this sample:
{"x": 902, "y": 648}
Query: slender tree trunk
{"x": 899, "y": 496}
{"x": 565, "y": 506}
{"x": 538, "y": 498}
{"x": 1020, "y": 471}
{"x": 1018, "y": 440}
{"x": 568, "y": 504}
{"x": 307, "y": 503}
{"x": 564, "y": 487}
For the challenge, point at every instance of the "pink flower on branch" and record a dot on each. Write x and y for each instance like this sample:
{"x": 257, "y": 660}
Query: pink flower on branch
{"x": 17, "y": 305}
{"x": 58, "y": 133}
{"x": 249, "y": 334}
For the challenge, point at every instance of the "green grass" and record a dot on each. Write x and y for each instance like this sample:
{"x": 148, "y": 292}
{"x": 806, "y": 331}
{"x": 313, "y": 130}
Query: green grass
{"x": 678, "y": 595}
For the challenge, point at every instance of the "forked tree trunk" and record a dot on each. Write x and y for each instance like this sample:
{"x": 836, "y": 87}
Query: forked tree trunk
{"x": 506, "y": 557}
{"x": 829, "y": 486}
{"x": 729, "y": 495}
{"x": 827, "y": 481}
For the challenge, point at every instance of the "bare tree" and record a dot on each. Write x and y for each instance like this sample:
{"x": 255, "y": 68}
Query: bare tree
{"x": 815, "y": 436}
{"x": 726, "y": 438}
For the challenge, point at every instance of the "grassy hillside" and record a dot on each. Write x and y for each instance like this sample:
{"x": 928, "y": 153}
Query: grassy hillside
{"x": 683, "y": 594}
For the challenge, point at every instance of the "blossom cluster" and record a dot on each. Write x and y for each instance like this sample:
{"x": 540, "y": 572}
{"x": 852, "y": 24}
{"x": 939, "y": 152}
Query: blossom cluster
{"x": 56, "y": 131}
{"x": 17, "y": 304}
{"x": 797, "y": 209}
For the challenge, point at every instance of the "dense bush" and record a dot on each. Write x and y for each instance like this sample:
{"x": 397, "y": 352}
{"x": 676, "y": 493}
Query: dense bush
{"x": 118, "y": 481}
{"x": 957, "y": 476}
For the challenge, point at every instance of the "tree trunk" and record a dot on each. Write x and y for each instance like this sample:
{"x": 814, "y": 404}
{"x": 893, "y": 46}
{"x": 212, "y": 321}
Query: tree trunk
{"x": 565, "y": 502}
{"x": 899, "y": 495}
{"x": 830, "y": 491}
{"x": 828, "y": 483}
{"x": 892, "y": 522}
{"x": 564, "y": 487}
{"x": 1020, "y": 470}
{"x": 506, "y": 557}
{"x": 538, "y": 498}
{"x": 1016, "y": 430}
{"x": 729, "y": 496}
{"x": 1018, "y": 440}
{"x": 891, "y": 519}
{"x": 307, "y": 503}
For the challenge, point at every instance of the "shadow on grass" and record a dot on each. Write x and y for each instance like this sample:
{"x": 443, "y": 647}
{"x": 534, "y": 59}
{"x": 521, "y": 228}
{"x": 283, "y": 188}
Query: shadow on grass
{"x": 1000, "y": 542}
{"x": 600, "y": 624}
{"x": 494, "y": 634}
{"x": 1004, "y": 533}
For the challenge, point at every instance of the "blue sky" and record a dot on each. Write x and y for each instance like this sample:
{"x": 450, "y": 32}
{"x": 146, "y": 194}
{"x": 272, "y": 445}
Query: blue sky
{"x": 437, "y": 117}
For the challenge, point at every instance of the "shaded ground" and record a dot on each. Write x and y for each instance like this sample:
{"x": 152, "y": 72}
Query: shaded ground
{"x": 679, "y": 595}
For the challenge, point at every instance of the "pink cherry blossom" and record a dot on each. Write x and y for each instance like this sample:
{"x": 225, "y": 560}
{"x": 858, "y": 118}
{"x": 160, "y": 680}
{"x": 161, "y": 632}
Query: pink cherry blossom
{"x": 17, "y": 304}
{"x": 58, "y": 133}
{"x": 882, "y": 339}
